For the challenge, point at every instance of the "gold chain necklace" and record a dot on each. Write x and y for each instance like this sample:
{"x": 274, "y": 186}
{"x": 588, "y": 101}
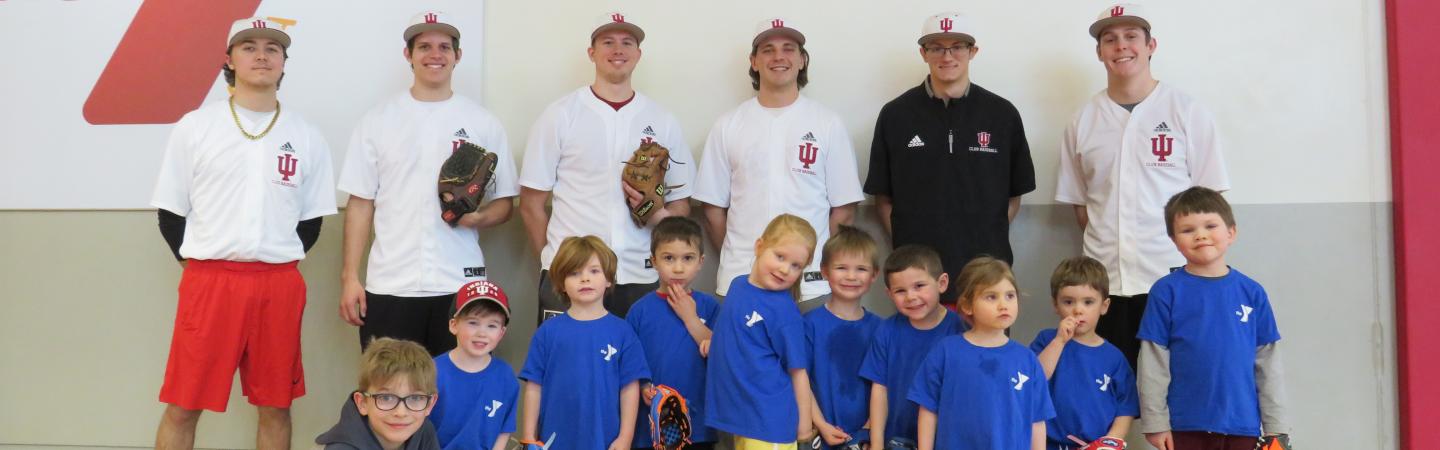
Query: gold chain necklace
{"x": 254, "y": 137}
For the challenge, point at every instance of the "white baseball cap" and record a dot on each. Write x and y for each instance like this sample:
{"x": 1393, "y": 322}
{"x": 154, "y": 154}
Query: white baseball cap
{"x": 1119, "y": 13}
{"x": 776, "y": 25}
{"x": 616, "y": 20}
{"x": 257, "y": 27}
{"x": 431, "y": 21}
{"x": 947, "y": 25}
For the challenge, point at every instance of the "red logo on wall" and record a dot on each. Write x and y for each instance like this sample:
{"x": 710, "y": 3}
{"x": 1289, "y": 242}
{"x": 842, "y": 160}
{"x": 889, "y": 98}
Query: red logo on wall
{"x": 1162, "y": 146}
{"x": 166, "y": 62}
{"x": 946, "y": 24}
{"x": 983, "y": 138}
{"x": 286, "y": 166}
{"x": 808, "y": 152}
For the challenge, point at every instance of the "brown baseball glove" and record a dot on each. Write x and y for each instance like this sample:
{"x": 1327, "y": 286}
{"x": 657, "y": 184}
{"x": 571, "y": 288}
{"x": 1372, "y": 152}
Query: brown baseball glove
{"x": 645, "y": 172}
{"x": 463, "y": 179}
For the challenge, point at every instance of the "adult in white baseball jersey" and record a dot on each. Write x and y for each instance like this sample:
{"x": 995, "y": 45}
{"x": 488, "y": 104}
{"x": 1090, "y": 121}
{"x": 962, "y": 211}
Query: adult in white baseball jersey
{"x": 1128, "y": 150}
{"x": 575, "y": 154}
{"x": 950, "y": 160}
{"x": 417, "y": 260}
{"x": 779, "y": 152}
{"x": 241, "y": 191}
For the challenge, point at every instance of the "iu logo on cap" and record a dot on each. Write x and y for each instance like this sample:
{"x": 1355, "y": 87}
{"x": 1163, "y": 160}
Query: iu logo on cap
{"x": 258, "y": 24}
{"x": 1117, "y": 11}
{"x": 431, "y": 18}
{"x": 617, "y": 17}
{"x": 777, "y": 23}
{"x": 946, "y": 24}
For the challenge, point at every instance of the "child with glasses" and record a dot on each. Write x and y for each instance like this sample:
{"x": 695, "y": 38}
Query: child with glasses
{"x": 392, "y": 372}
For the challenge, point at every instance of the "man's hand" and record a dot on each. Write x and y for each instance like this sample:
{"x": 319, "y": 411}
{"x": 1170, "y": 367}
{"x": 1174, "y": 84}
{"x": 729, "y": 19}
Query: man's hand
{"x": 352, "y": 302}
{"x": 1161, "y": 441}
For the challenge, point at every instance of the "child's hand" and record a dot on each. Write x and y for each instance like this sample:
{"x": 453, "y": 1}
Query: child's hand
{"x": 705, "y": 348}
{"x": 1161, "y": 441}
{"x": 1066, "y": 331}
{"x": 648, "y": 394}
{"x": 805, "y": 432}
{"x": 833, "y": 435}
{"x": 680, "y": 301}
{"x": 617, "y": 445}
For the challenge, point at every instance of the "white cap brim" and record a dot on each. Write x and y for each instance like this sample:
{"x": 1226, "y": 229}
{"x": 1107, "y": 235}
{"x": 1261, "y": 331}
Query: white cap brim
{"x": 419, "y": 28}
{"x": 933, "y": 36}
{"x": 628, "y": 27}
{"x": 1100, "y": 25}
{"x": 791, "y": 33}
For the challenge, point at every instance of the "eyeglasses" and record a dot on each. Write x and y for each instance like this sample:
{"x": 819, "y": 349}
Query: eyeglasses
{"x": 936, "y": 50}
{"x": 386, "y": 402}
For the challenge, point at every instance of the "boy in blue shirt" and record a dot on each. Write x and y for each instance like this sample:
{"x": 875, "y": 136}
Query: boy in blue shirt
{"x": 477, "y": 407}
{"x": 671, "y": 322}
{"x": 980, "y": 390}
{"x": 1209, "y": 357}
{"x": 914, "y": 280}
{"x": 587, "y": 362}
{"x": 839, "y": 333}
{"x": 1091, "y": 383}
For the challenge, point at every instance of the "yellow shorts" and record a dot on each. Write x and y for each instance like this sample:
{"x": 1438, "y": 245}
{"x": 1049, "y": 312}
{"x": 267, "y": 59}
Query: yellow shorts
{"x": 744, "y": 443}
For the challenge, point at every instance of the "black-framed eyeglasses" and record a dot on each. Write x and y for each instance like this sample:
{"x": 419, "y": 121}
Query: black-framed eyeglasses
{"x": 935, "y": 50}
{"x": 386, "y": 401}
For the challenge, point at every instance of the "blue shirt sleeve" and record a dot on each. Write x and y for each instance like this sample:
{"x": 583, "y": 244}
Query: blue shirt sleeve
{"x": 1127, "y": 399}
{"x": 787, "y": 337}
{"x": 925, "y": 390}
{"x": 1155, "y": 324}
{"x": 632, "y": 359}
{"x": 810, "y": 347}
{"x": 1040, "y": 407}
{"x": 1266, "y": 331}
{"x": 877, "y": 358}
{"x": 534, "y": 369}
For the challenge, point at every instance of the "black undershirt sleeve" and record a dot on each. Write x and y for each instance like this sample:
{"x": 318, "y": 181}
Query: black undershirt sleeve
{"x": 309, "y": 232}
{"x": 172, "y": 227}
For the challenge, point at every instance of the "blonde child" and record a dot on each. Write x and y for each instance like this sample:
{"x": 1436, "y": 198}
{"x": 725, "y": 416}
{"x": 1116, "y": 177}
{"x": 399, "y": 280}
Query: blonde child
{"x": 838, "y": 334}
{"x": 981, "y": 390}
{"x": 587, "y": 362}
{"x": 757, "y": 388}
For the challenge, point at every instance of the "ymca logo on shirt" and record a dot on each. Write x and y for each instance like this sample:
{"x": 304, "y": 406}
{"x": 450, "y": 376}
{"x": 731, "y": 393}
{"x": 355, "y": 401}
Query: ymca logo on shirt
{"x": 808, "y": 153}
{"x": 287, "y": 165}
{"x": 493, "y": 408}
{"x": 1244, "y": 313}
{"x": 983, "y": 140}
{"x": 1104, "y": 385}
{"x": 1019, "y": 381}
{"x": 753, "y": 318}
{"x": 608, "y": 351}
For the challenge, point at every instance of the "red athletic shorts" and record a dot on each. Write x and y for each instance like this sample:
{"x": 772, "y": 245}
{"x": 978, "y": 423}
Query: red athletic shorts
{"x": 236, "y": 314}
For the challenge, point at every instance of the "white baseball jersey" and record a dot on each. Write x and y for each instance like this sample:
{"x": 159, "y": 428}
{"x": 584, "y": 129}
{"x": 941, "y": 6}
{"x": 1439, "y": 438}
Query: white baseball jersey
{"x": 394, "y": 159}
{"x": 1123, "y": 166}
{"x": 576, "y": 151}
{"x": 761, "y": 162}
{"x": 242, "y": 199}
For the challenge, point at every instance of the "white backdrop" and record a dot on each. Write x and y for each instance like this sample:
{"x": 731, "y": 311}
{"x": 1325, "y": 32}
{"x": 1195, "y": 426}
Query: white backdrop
{"x": 346, "y": 56}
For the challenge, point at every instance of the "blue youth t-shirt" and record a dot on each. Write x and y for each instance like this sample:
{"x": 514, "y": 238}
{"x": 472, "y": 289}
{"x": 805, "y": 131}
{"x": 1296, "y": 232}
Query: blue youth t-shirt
{"x": 983, "y": 397}
{"x": 1091, "y": 386}
{"x": 673, "y": 357}
{"x": 758, "y": 338}
{"x": 892, "y": 361}
{"x": 581, "y": 367}
{"x": 1212, "y": 327}
{"x": 474, "y": 408}
{"x": 837, "y": 348}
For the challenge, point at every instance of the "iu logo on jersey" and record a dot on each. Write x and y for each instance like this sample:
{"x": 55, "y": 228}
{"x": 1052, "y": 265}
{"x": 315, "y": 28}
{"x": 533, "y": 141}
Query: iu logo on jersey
{"x": 455, "y": 145}
{"x": 286, "y": 166}
{"x": 1162, "y": 146}
{"x": 808, "y": 154}
{"x": 983, "y": 138}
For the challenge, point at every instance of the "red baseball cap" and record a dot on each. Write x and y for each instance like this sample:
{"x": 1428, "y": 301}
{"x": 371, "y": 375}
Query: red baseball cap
{"x": 480, "y": 290}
